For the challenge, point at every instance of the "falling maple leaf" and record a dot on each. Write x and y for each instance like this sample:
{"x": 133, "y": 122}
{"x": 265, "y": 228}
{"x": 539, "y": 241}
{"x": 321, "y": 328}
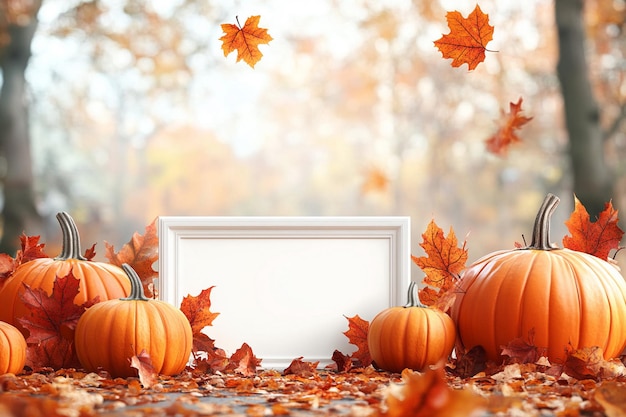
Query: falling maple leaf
{"x": 376, "y": 181}
{"x": 197, "y": 309}
{"x": 357, "y": 335}
{"x": 141, "y": 252}
{"x": 143, "y": 364}
{"x": 428, "y": 394}
{"x": 51, "y": 321}
{"x": 468, "y": 38}
{"x": 499, "y": 143}
{"x": 597, "y": 238}
{"x": 442, "y": 264}
{"x": 245, "y": 40}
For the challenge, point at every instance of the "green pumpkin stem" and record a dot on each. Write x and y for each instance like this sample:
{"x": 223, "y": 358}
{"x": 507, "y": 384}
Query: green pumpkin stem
{"x": 541, "y": 228}
{"x": 413, "y": 299}
{"x": 136, "y": 287}
{"x": 71, "y": 239}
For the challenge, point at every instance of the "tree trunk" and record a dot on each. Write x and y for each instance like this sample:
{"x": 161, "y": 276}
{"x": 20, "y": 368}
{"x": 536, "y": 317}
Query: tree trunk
{"x": 16, "y": 174}
{"x": 593, "y": 183}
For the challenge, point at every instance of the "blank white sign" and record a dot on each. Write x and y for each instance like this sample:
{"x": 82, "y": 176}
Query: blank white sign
{"x": 286, "y": 285}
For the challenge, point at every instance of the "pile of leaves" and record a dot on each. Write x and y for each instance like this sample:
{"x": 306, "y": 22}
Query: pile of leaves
{"x": 215, "y": 383}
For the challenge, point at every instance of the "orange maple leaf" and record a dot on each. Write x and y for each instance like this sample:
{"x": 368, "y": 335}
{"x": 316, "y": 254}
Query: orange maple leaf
{"x": 597, "y": 238}
{"x": 468, "y": 38}
{"x": 141, "y": 252}
{"x": 506, "y": 136}
{"x": 197, "y": 309}
{"x": 243, "y": 361}
{"x": 376, "y": 181}
{"x": 245, "y": 40}
{"x": 428, "y": 394}
{"x": 357, "y": 335}
{"x": 443, "y": 262}
{"x": 301, "y": 368}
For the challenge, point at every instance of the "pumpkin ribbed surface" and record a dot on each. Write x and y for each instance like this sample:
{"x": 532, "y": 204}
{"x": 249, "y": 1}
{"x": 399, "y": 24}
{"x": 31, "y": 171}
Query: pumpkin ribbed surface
{"x": 108, "y": 334}
{"x": 410, "y": 337}
{"x": 563, "y": 296}
{"x": 12, "y": 349}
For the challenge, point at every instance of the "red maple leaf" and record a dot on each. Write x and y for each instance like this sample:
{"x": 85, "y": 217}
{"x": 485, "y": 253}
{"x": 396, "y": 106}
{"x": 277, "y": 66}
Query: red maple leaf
{"x": 597, "y": 238}
{"x": 301, "y": 368}
{"x": 468, "y": 38}
{"x": 243, "y": 361}
{"x": 141, "y": 252}
{"x": 51, "y": 321}
{"x": 197, "y": 309}
{"x": 499, "y": 143}
{"x": 443, "y": 263}
{"x": 357, "y": 335}
{"x": 342, "y": 362}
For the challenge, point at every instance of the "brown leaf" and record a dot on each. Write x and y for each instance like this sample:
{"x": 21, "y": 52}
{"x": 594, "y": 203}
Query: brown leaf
{"x": 141, "y": 252}
{"x": 301, "y": 368}
{"x": 51, "y": 321}
{"x": 522, "y": 350}
{"x": 612, "y": 396}
{"x": 471, "y": 362}
{"x": 143, "y": 364}
{"x": 197, "y": 309}
{"x": 243, "y": 361}
{"x": 343, "y": 362}
{"x": 468, "y": 38}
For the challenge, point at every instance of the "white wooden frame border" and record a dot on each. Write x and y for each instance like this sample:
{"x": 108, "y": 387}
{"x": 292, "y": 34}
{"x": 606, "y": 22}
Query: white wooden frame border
{"x": 179, "y": 233}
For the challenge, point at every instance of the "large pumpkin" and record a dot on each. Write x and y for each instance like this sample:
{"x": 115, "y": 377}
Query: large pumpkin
{"x": 563, "y": 296}
{"x": 97, "y": 279}
{"x": 12, "y": 349}
{"x": 108, "y": 334}
{"x": 413, "y": 336}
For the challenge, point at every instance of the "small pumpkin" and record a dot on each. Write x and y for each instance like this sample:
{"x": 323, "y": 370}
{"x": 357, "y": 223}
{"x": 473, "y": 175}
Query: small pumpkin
{"x": 561, "y": 295}
{"x": 97, "y": 279}
{"x": 12, "y": 349}
{"x": 109, "y": 333}
{"x": 413, "y": 336}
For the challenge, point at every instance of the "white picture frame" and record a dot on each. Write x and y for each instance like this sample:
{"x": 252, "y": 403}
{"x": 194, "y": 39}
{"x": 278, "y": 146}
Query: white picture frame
{"x": 285, "y": 285}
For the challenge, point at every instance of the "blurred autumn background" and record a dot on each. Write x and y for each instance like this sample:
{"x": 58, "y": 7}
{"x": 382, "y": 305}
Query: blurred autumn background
{"x": 128, "y": 109}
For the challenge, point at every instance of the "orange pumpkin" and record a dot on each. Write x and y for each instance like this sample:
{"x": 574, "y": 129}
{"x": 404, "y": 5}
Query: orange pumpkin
{"x": 108, "y": 334}
{"x": 562, "y": 295}
{"x": 97, "y": 279}
{"x": 12, "y": 349}
{"x": 413, "y": 336}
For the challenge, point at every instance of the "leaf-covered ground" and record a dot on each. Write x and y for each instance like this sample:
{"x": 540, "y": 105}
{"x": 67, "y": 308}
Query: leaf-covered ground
{"x": 516, "y": 389}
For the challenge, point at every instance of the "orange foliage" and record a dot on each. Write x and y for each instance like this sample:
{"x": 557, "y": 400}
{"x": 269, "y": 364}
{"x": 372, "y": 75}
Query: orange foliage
{"x": 505, "y": 136}
{"x": 468, "y": 38}
{"x": 596, "y": 238}
{"x": 443, "y": 263}
{"x": 141, "y": 252}
{"x": 357, "y": 335}
{"x": 245, "y": 40}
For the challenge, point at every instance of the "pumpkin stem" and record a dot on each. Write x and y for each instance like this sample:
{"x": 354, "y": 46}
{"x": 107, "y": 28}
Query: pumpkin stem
{"x": 541, "y": 228}
{"x": 71, "y": 239}
{"x": 413, "y": 299}
{"x": 136, "y": 287}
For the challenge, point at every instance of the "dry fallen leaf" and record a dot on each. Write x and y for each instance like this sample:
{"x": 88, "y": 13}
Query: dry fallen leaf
{"x": 612, "y": 396}
{"x": 142, "y": 363}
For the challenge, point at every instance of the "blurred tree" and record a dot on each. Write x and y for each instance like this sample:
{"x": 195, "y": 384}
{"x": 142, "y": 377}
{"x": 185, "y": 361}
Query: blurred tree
{"x": 18, "y": 24}
{"x": 593, "y": 180}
